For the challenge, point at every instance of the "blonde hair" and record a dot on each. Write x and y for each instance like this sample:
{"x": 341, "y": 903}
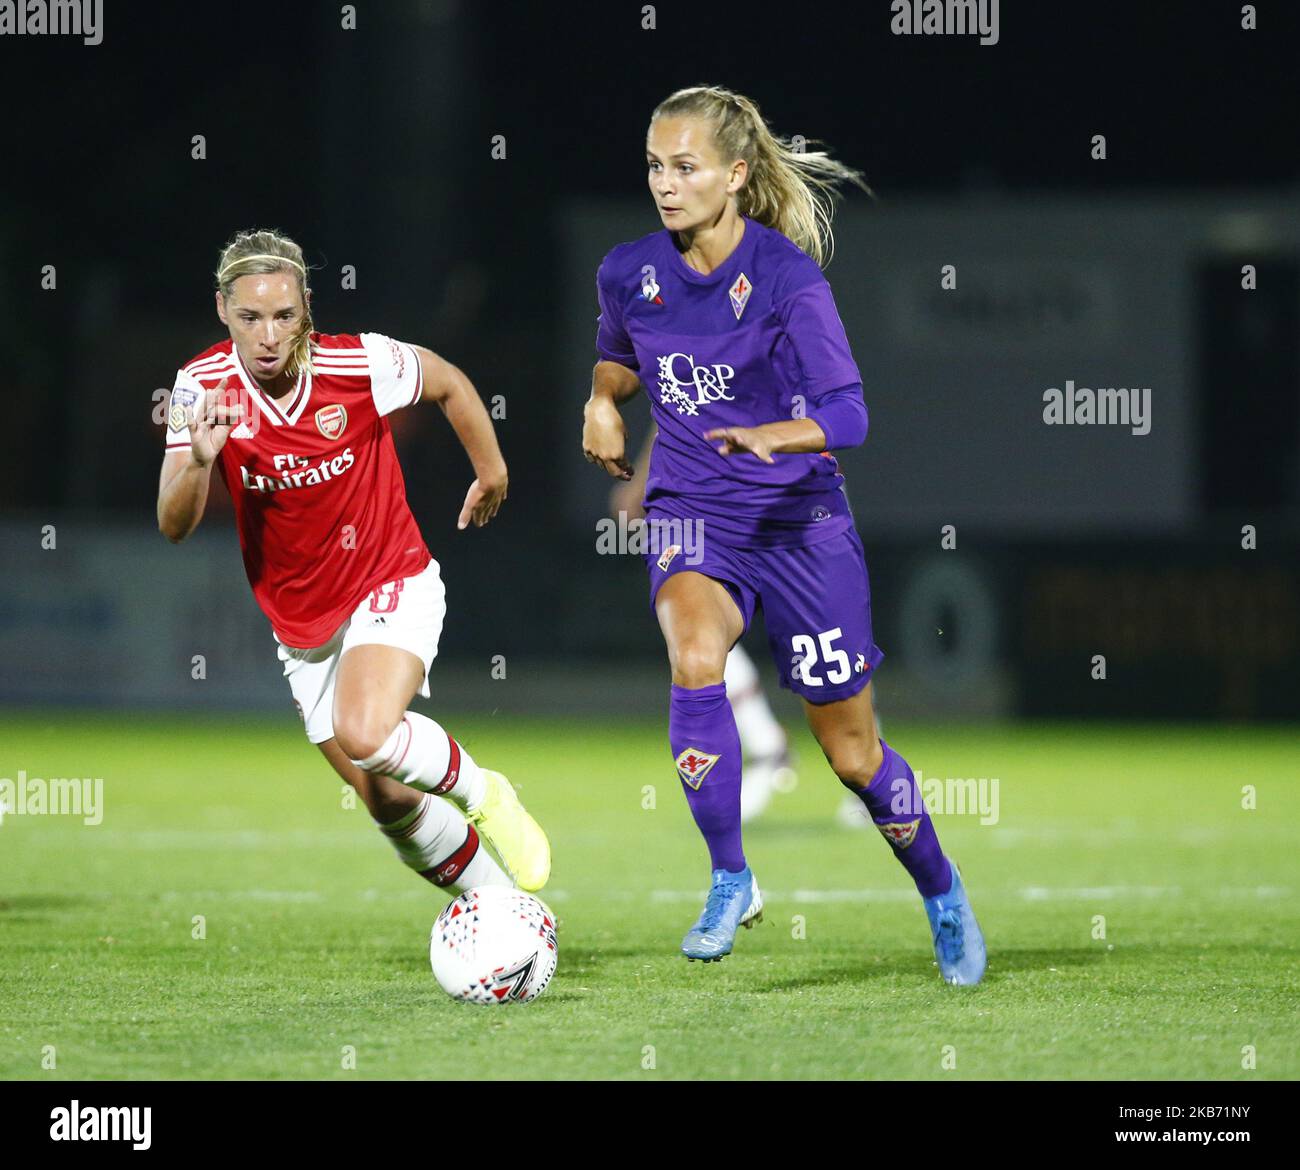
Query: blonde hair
{"x": 257, "y": 253}
{"x": 788, "y": 188}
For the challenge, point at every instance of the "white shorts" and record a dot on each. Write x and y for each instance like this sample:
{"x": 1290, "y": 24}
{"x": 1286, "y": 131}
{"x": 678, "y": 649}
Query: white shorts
{"x": 407, "y": 613}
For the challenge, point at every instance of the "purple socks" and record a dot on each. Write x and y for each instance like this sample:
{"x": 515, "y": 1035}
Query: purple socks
{"x": 893, "y": 798}
{"x": 706, "y": 747}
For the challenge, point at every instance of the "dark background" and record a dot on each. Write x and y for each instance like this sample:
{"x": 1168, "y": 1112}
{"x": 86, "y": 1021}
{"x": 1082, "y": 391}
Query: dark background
{"x": 373, "y": 148}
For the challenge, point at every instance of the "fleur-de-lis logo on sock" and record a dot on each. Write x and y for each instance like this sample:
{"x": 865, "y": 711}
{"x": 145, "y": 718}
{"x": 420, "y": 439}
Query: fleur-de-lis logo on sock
{"x": 900, "y": 834}
{"x": 693, "y": 765}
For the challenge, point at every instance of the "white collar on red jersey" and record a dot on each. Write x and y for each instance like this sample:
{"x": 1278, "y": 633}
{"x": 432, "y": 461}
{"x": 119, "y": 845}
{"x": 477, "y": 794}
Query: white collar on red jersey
{"x": 279, "y": 416}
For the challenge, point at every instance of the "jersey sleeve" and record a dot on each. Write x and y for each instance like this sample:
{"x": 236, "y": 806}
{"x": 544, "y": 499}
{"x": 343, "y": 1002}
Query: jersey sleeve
{"x": 842, "y": 415}
{"x": 186, "y": 392}
{"x": 830, "y": 378}
{"x": 612, "y": 342}
{"x": 396, "y": 379}
{"x": 810, "y": 320}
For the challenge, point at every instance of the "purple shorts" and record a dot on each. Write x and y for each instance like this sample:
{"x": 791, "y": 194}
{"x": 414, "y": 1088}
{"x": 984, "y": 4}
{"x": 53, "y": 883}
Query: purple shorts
{"x": 816, "y": 604}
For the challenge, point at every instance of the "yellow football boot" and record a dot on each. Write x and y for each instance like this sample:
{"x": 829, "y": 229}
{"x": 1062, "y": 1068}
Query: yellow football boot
{"x": 516, "y": 838}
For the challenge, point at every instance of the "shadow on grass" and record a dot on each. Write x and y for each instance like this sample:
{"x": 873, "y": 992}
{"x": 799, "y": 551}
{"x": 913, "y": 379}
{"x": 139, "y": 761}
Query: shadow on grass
{"x": 871, "y": 970}
{"x": 1042, "y": 960}
{"x": 25, "y": 904}
{"x": 741, "y": 972}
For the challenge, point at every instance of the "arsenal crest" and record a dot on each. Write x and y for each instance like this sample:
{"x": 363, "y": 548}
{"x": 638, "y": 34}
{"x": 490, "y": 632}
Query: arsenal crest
{"x": 331, "y": 420}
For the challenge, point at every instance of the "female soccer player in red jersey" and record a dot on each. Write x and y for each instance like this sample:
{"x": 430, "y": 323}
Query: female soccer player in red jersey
{"x": 295, "y": 423}
{"x": 725, "y": 316}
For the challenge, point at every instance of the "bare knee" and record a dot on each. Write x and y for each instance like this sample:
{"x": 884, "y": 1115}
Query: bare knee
{"x": 361, "y": 733}
{"x": 855, "y": 760}
{"x": 698, "y": 665}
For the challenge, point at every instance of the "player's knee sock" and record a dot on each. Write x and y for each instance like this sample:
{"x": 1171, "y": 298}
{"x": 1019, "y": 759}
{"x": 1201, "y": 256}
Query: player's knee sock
{"x": 433, "y": 841}
{"x": 761, "y": 736}
{"x": 706, "y": 745}
{"x": 893, "y": 798}
{"x": 420, "y": 753}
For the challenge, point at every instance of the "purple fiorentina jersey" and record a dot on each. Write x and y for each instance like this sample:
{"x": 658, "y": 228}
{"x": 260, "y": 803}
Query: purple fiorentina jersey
{"x": 757, "y": 340}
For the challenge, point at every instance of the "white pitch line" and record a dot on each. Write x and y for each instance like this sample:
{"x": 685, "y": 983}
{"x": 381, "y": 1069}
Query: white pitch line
{"x": 1119, "y": 836}
{"x": 254, "y": 895}
{"x": 147, "y": 839}
{"x": 1089, "y": 893}
{"x": 1027, "y": 893}
{"x": 798, "y": 896}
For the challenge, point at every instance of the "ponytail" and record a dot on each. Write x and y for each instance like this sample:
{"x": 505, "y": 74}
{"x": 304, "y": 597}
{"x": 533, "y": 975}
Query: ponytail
{"x": 788, "y": 188}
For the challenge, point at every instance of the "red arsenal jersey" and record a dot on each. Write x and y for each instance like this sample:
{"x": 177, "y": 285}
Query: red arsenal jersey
{"x": 319, "y": 498}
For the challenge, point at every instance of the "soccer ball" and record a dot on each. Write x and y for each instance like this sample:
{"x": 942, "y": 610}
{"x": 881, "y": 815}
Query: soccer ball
{"x": 494, "y": 944}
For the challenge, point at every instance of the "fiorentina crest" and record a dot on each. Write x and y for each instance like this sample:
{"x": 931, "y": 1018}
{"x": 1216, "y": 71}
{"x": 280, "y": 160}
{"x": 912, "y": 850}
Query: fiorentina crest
{"x": 330, "y": 420}
{"x": 739, "y": 294}
{"x": 693, "y": 765}
{"x": 901, "y": 834}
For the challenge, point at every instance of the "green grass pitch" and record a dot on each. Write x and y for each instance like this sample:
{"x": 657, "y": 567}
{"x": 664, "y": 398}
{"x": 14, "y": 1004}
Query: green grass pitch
{"x": 316, "y": 936}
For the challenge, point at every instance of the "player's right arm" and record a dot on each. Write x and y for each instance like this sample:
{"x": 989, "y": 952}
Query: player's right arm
{"x": 604, "y": 434}
{"x": 186, "y": 475}
{"x": 614, "y": 380}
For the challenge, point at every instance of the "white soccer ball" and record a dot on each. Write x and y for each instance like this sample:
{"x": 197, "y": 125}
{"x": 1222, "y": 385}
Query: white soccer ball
{"x": 494, "y": 944}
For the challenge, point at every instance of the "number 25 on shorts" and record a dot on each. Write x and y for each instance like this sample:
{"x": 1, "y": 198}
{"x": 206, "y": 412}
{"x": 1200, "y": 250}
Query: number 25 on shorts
{"x": 805, "y": 657}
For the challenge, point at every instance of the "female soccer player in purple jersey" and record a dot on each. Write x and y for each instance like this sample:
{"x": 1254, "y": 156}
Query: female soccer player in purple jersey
{"x": 727, "y": 319}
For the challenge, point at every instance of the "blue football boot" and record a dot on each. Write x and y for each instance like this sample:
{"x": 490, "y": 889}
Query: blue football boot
{"x": 958, "y": 942}
{"x": 734, "y": 901}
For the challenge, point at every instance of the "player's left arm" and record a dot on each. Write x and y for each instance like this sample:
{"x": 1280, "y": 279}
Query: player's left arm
{"x": 831, "y": 409}
{"x": 768, "y": 439}
{"x": 448, "y": 387}
{"x": 835, "y": 420}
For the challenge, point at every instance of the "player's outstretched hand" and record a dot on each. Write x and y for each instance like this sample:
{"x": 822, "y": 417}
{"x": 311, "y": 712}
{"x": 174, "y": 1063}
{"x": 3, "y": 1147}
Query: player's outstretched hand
{"x": 604, "y": 438}
{"x": 211, "y": 424}
{"x": 737, "y": 439}
{"x": 482, "y": 502}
